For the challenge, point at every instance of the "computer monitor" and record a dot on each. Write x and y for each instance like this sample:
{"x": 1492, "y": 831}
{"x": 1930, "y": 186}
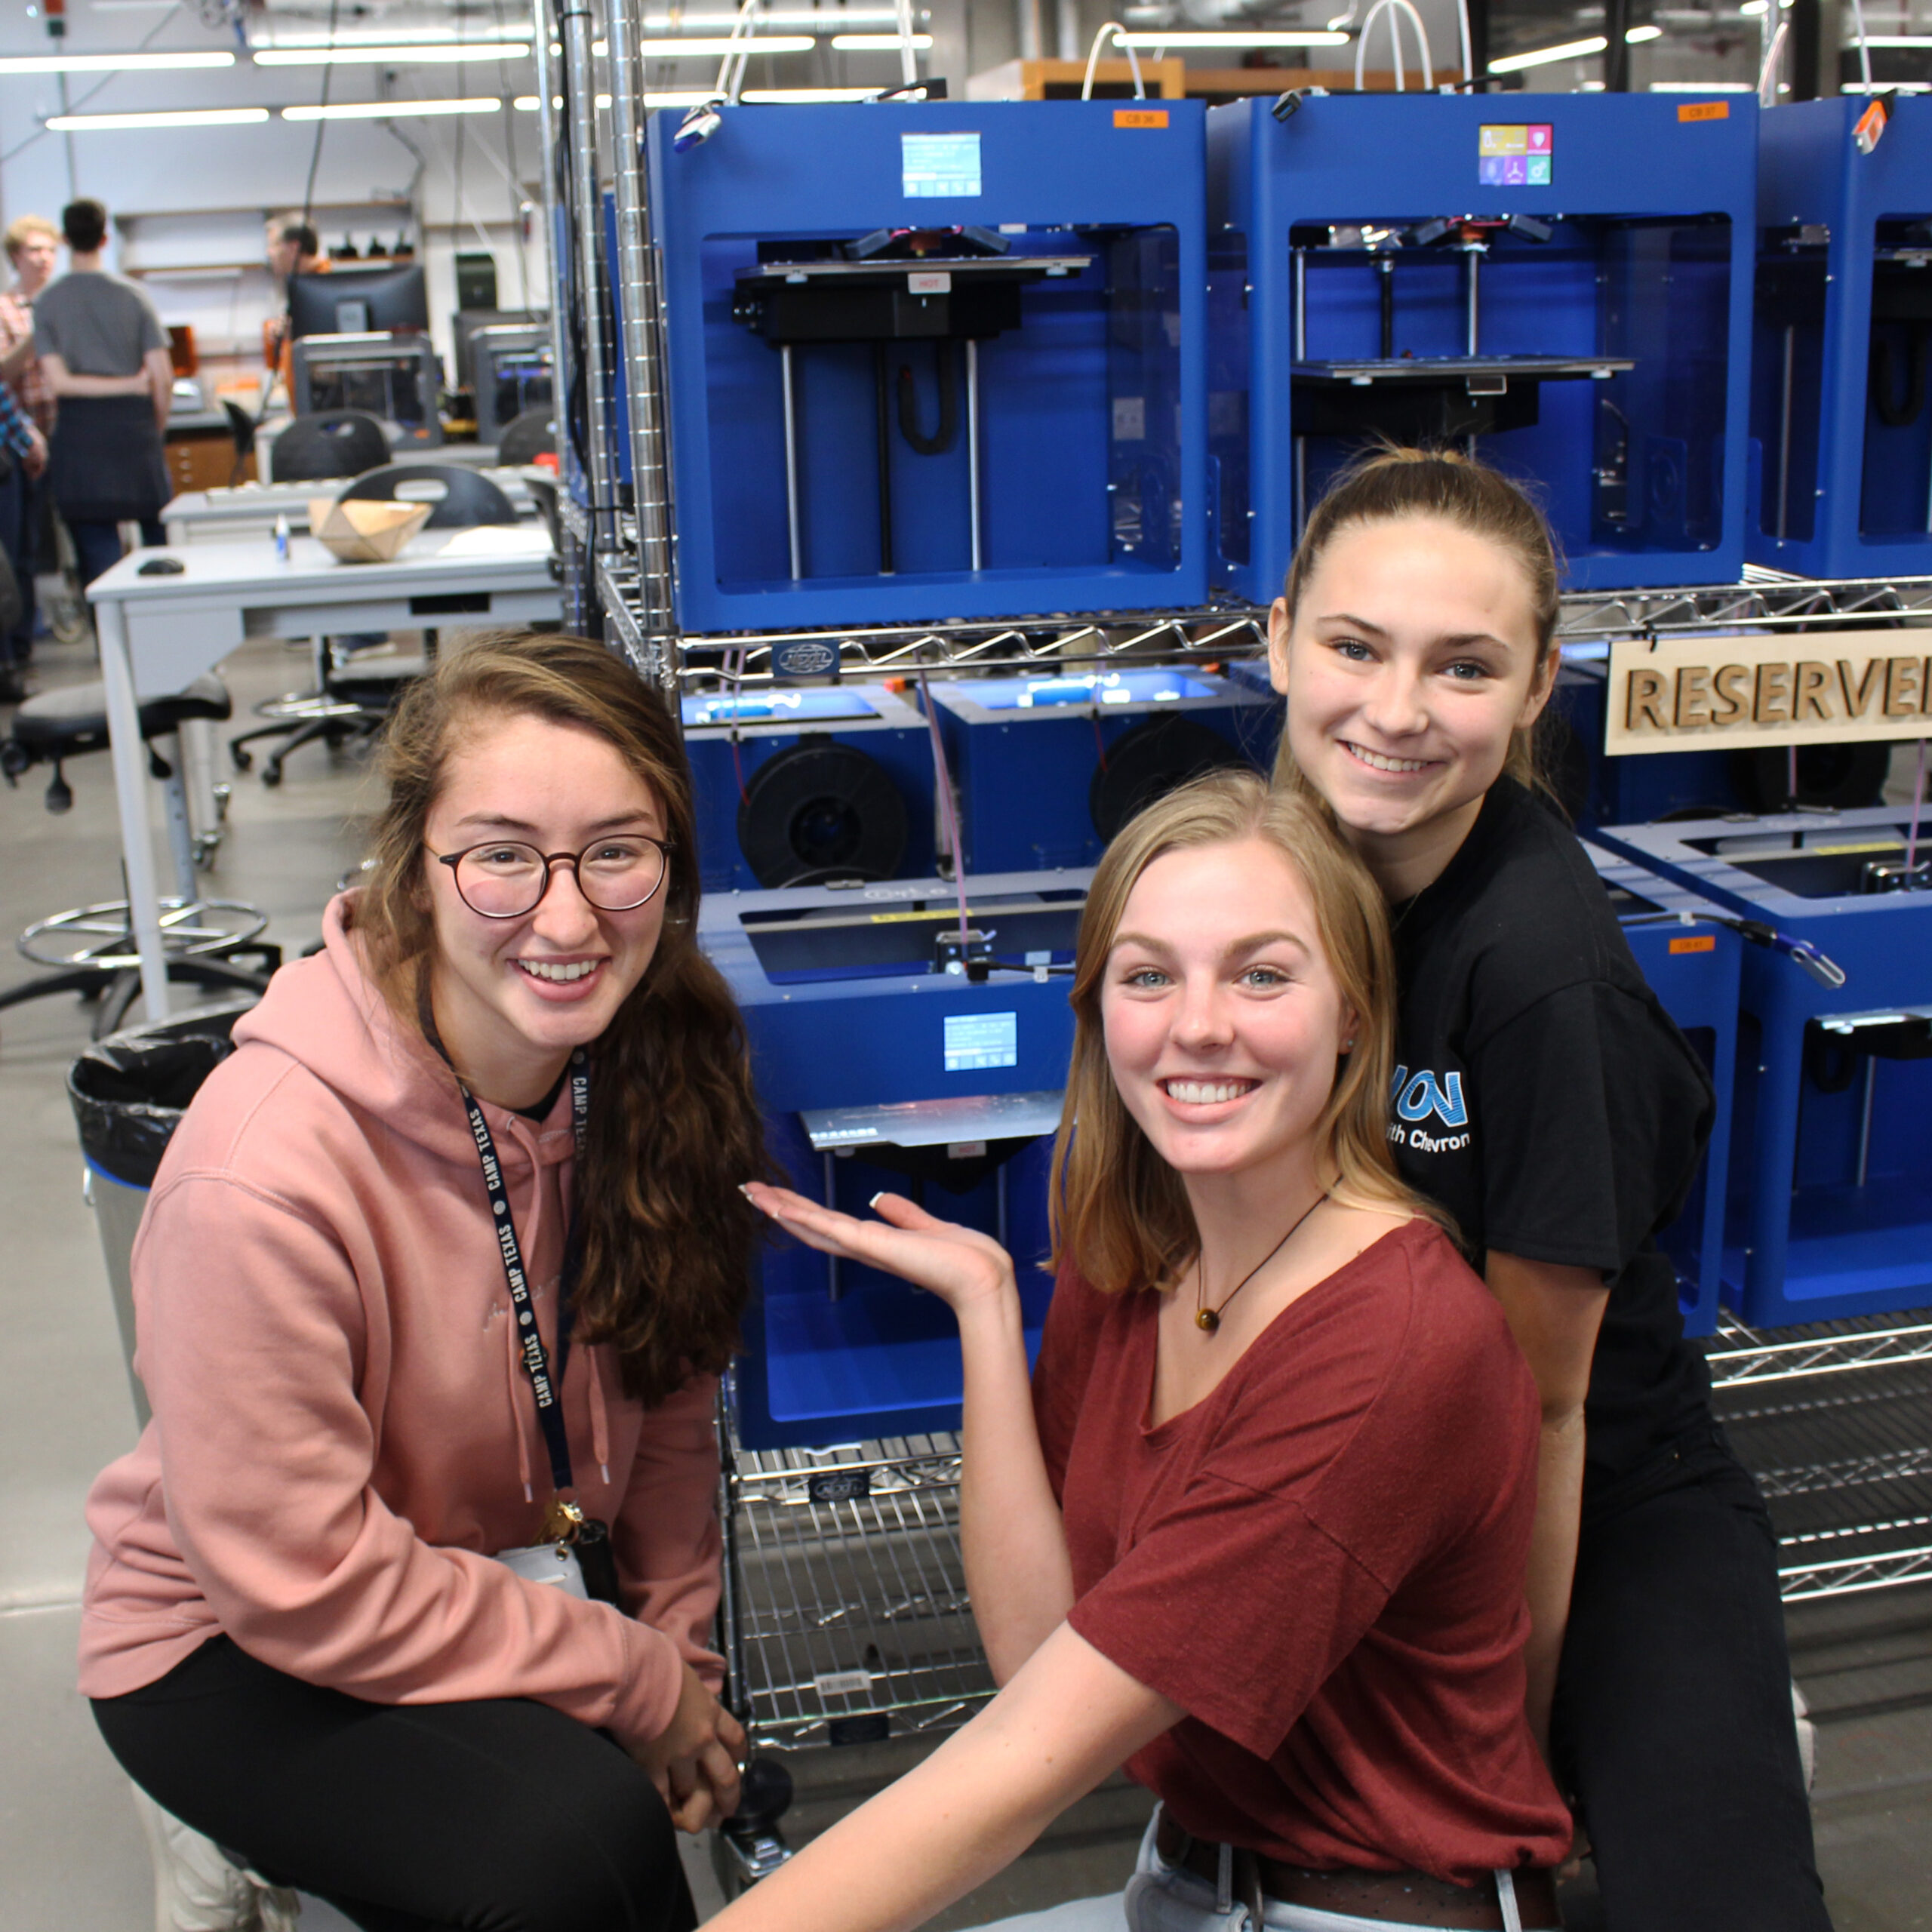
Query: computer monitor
{"x": 359, "y": 301}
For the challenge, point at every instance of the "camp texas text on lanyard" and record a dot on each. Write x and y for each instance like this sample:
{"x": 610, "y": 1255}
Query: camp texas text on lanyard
{"x": 563, "y": 1518}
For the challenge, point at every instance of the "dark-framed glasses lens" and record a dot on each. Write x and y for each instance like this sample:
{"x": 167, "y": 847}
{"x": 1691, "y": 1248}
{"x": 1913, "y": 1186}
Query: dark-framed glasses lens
{"x": 501, "y": 881}
{"x": 615, "y": 874}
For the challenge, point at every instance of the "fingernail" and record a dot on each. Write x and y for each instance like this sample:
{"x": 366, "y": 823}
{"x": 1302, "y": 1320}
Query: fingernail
{"x": 876, "y": 1198}
{"x": 745, "y": 1189}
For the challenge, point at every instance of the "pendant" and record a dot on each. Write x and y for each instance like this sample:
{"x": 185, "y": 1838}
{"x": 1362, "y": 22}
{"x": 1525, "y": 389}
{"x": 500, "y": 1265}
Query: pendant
{"x": 562, "y": 1520}
{"x": 1206, "y": 1320}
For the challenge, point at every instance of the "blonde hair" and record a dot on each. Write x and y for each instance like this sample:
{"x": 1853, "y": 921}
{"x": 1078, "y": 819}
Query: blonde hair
{"x": 23, "y": 229}
{"x": 1388, "y": 482}
{"x": 1119, "y": 1213}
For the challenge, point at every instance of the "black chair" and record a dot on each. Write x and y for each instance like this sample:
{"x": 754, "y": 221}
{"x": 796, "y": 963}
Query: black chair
{"x": 242, "y": 427}
{"x": 332, "y": 443}
{"x": 90, "y": 948}
{"x": 459, "y": 499}
{"x": 324, "y": 448}
{"x": 360, "y": 686}
{"x": 527, "y": 436}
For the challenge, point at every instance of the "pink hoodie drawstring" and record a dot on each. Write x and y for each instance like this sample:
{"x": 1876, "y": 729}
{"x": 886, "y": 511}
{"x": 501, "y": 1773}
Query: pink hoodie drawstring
{"x": 600, "y": 1419}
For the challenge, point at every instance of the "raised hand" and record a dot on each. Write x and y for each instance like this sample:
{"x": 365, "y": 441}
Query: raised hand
{"x": 959, "y": 1265}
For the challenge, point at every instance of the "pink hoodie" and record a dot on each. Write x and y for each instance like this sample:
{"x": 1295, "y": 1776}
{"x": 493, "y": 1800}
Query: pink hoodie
{"x": 343, "y": 1432}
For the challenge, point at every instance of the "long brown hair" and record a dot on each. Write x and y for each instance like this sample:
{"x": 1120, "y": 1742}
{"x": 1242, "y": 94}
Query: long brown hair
{"x": 674, "y": 1128}
{"x": 1120, "y": 1212}
{"x": 1389, "y": 482}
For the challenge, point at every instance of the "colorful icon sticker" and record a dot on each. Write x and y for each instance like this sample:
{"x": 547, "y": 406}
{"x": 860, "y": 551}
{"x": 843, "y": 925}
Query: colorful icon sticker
{"x": 1515, "y": 156}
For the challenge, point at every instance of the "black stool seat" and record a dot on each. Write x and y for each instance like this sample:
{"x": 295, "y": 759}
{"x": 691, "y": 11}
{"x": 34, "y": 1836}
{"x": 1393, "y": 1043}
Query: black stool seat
{"x": 63, "y": 723}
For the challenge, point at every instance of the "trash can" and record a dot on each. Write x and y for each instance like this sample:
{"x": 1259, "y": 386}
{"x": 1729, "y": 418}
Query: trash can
{"x": 128, "y": 1093}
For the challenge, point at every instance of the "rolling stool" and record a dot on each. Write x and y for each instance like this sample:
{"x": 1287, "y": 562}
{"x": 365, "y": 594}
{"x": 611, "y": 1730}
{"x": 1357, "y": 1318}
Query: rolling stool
{"x": 91, "y": 948}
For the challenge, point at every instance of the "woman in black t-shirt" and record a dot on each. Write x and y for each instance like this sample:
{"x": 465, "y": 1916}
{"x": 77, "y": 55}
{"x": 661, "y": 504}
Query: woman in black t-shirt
{"x": 1543, "y": 1097}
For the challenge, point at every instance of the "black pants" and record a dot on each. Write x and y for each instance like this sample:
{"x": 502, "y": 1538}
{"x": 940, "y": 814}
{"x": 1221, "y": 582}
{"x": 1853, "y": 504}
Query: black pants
{"x": 1673, "y": 1720}
{"x": 501, "y": 1815}
{"x": 20, "y": 537}
{"x": 97, "y": 545}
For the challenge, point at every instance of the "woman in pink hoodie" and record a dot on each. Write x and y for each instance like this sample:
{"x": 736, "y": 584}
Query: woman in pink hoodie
{"x": 443, "y": 1264}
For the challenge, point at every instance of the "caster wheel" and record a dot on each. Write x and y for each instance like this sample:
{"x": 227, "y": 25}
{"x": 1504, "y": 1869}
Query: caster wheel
{"x": 223, "y": 793}
{"x": 271, "y": 775}
{"x": 244, "y": 758}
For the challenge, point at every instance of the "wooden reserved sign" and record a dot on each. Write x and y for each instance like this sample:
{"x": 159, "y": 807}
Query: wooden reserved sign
{"x": 1827, "y": 687}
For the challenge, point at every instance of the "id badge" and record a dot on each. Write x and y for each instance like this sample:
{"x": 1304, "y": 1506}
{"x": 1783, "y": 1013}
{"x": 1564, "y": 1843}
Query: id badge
{"x": 554, "y": 1563}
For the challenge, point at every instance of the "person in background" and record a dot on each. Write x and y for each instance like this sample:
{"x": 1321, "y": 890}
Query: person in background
{"x": 33, "y": 249}
{"x": 1545, "y": 1099}
{"x": 105, "y": 355}
{"x": 293, "y": 247}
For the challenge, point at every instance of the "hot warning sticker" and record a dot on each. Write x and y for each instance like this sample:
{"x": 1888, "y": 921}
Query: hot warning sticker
{"x": 1514, "y": 155}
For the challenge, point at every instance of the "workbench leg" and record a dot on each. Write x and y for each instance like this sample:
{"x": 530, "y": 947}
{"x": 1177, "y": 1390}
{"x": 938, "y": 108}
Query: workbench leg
{"x": 131, "y": 792}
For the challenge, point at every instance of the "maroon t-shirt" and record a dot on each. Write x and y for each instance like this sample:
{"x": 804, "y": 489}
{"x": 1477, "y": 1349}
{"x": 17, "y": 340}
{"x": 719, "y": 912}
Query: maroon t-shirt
{"x": 1321, "y": 1563}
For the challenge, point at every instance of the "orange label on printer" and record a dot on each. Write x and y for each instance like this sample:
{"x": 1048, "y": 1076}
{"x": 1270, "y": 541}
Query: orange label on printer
{"x": 1697, "y": 942}
{"x": 1140, "y": 117}
{"x": 1704, "y": 110}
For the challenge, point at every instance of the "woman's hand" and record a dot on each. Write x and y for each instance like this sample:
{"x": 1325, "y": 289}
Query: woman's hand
{"x": 960, "y": 1265}
{"x": 693, "y": 1761}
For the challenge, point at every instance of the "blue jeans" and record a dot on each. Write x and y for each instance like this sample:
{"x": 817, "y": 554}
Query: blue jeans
{"x": 19, "y": 513}
{"x": 97, "y": 545}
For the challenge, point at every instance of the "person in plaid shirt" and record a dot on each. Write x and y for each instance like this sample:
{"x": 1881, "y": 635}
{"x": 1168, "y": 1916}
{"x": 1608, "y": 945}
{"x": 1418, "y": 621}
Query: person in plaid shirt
{"x": 33, "y": 248}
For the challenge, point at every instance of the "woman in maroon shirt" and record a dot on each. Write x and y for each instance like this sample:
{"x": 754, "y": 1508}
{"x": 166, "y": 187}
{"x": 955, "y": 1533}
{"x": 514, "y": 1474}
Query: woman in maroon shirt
{"x": 1258, "y": 1528}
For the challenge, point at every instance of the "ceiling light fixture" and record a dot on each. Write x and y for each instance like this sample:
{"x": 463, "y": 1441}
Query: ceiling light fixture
{"x": 701, "y": 48}
{"x": 390, "y": 110}
{"x": 1294, "y": 37}
{"x": 1637, "y": 36}
{"x": 1543, "y": 57}
{"x": 190, "y": 117}
{"x": 400, "y": 53}
{"x": 1703, "y": 86}
{"x": 877, "y": 43}
{"x": 108, "y": 64}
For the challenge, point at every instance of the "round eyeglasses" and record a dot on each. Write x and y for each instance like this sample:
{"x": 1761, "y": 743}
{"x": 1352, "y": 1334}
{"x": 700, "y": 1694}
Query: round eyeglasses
{"x": 505, "y": 879}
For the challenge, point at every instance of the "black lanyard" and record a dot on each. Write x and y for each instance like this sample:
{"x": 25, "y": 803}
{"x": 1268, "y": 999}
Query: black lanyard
{"x": 547, "y": 1387}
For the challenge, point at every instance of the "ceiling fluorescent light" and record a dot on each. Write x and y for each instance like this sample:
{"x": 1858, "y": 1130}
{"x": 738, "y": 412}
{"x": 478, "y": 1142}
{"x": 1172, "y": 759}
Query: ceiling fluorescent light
{"x": 1895, "y": 40}
{"x": 805, "y": 17}
{"x": 780, "y": 96}
{"x": 1755, "y": 9}
{"x": 1703, "y": 86}
{"x": 878, "y": 43}
{"x": 390, "y": 110}
{"x": 526, "y": 103}
{"x": 191, "y": 117}
{"x": 108, "y": 64}
{"x": 1637, "y": 36}
{"x": 1846, "y": 86}
{"x": 1294, "y": 37}
{"x": 400, "y": 54}
{"x": 1542, "y": 57}
{"x": 395, "y": 36}
{"x": 700, "y": 48}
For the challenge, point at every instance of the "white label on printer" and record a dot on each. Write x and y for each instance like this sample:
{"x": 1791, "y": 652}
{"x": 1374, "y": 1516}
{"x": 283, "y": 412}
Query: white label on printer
{"x": 1130, "y": 419}
{"x": 978, "y": 1040}
{"x": 934, "y": 165}
{"x": 931, "y": 281}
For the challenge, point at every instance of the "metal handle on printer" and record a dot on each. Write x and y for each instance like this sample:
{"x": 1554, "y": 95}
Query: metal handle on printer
{"x": 1827, "y": 972}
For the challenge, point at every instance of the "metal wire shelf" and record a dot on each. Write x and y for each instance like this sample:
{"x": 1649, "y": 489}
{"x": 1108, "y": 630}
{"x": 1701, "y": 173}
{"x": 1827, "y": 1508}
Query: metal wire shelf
{"x": 848, "y": 1602}
{"x": 1835, "y": 1422}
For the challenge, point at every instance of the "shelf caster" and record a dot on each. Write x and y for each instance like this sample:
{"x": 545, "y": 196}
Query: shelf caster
{"x": 749, "y": 1845}
{"x": 223, "y": 793}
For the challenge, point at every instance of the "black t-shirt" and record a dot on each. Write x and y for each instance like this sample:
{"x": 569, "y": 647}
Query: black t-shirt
{"x": 1544, "y": 1098}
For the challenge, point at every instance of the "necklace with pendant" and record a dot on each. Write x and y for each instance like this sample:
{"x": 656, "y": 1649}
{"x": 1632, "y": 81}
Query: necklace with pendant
{"x": 1206, "y": 1319}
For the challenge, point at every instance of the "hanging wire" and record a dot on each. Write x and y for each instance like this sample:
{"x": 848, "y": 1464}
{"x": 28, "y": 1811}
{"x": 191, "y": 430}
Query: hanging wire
{"x": 1767, "y": 75}
{"x": 1120, "y": 40}
{"x": 1864, "y": 44}
{"x": 1395, "y": 9}
{"x": 321, "y": 122}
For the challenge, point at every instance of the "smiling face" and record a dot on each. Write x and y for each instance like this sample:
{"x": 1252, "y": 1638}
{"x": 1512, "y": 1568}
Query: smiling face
{"x": 511, "y": 997}
{"x": 34, "y": 260}
{"x": 1222, "y": 1017}
{"x": 1411, "y": 659}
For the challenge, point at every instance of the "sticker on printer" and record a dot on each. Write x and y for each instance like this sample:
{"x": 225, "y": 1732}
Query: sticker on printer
{"x": 1516, "y": 156}
{"x": 933, "y": 166}
{"x": 974, "y": 1041}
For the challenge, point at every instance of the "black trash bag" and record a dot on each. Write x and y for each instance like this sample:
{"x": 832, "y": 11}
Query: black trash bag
{"x": 129, "y": 1091}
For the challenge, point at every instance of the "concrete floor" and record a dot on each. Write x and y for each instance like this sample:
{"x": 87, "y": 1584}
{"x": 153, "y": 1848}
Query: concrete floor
{"x": 72, "y": 1856}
